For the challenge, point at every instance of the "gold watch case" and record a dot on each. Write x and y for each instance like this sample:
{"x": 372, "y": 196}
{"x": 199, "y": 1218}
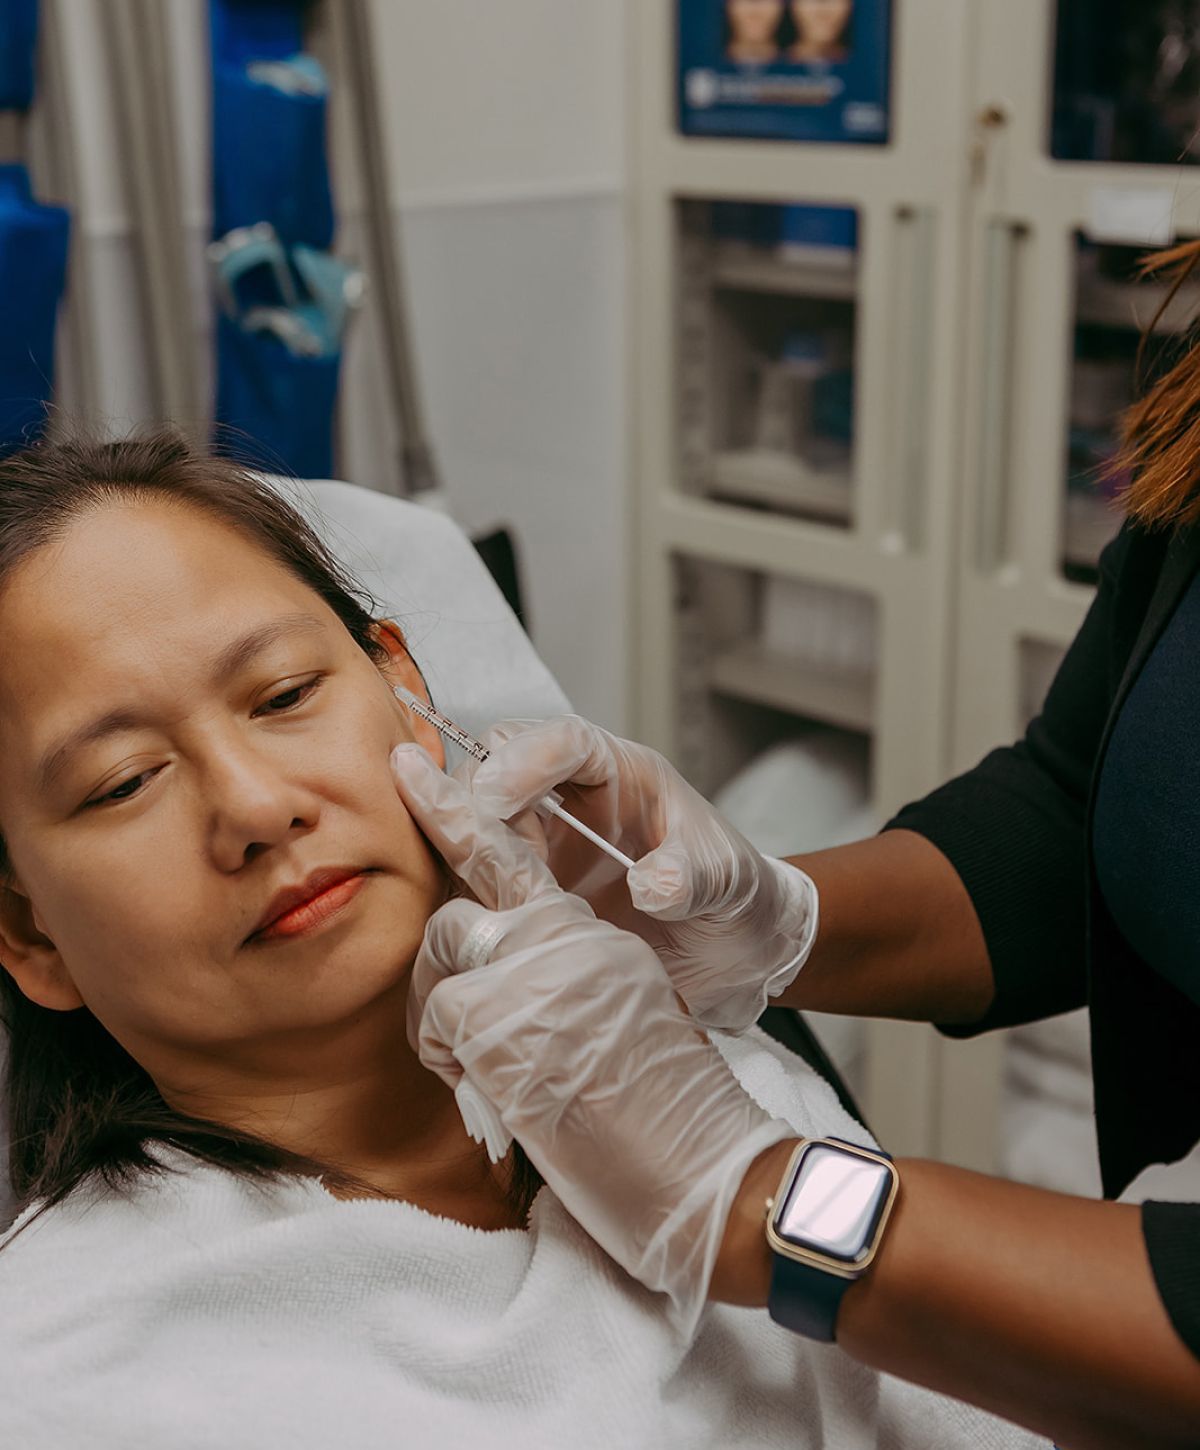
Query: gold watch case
{"x": 825, "y": 1262}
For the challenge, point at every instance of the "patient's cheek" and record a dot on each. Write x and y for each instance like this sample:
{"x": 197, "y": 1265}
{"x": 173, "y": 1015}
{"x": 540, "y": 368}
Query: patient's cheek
{"x": 435, "y": 883}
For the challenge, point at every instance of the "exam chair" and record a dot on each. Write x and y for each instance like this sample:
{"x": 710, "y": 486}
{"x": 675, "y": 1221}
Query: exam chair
{"x": 478, "y": 663}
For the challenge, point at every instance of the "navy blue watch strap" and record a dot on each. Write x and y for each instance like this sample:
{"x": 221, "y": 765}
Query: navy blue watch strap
{"x": 804, "y": 1298}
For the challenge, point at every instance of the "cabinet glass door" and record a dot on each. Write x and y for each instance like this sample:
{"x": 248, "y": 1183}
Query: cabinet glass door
{"x": 1127, "y": 82}
{"x": 768, "y": 304}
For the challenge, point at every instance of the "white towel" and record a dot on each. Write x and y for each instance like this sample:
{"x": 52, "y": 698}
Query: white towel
{"x": 205, "y": 1314}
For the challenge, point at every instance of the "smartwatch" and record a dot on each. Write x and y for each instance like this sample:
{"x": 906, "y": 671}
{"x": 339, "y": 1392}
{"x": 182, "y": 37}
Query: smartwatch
{"x": 824, "y": 1226}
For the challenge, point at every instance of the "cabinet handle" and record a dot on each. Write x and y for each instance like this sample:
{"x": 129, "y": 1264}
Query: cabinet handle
{"x": 907, "y": 466}
{"x": 1002, "y": 241}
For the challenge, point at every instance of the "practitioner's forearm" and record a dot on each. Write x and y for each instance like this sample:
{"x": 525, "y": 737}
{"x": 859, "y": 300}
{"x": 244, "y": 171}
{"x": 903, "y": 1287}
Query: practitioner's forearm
{"x": 898, "y": 935}
{"x": 1037, "y": 1306}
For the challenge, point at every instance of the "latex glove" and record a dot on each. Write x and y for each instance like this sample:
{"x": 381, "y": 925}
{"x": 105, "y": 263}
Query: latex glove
{"x": 733, "y": 927}
{"x": 573, "y": 1033}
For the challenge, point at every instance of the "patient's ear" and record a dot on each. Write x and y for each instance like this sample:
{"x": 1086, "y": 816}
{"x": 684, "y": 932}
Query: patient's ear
{"x": 401, "y": 669}
{"x": 28, "y": 954}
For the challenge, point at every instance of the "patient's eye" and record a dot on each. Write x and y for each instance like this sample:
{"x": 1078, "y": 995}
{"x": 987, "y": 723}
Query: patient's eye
{"x": 279, "y": 704}
{"x": 120, "y": 792}
{"x": 289, "y": 699}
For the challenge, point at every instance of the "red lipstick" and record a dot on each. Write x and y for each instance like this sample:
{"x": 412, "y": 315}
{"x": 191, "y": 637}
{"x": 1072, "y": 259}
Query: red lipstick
{"x": 297, "y": 910}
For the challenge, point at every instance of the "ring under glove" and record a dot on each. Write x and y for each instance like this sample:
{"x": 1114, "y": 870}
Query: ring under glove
{"x": 573, "y": 1034}
{"x": 732, "y": 927}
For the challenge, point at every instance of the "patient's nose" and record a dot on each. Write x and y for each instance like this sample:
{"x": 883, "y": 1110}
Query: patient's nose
{"x": 253, "y": 802}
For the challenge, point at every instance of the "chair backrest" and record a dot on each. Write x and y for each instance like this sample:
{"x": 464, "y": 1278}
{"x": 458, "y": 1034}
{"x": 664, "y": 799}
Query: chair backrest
{"x": 477, "y": 661}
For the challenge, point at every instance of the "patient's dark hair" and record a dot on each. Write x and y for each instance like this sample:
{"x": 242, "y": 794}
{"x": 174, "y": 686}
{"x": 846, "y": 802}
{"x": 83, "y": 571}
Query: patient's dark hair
{"x": 77, "y": 1104}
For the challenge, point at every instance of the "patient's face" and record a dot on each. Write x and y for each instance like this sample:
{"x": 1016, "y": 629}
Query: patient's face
{"x": 143, "y": 866}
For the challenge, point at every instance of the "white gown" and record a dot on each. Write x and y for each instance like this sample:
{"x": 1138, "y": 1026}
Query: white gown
{"x": 203, "y": 1313}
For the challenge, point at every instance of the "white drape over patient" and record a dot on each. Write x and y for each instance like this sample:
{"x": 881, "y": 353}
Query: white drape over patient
{"x": 213, "y": 1315}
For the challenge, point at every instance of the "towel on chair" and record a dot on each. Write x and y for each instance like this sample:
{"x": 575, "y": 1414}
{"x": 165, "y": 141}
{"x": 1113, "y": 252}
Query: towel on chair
{"x": 203, "y": 1313}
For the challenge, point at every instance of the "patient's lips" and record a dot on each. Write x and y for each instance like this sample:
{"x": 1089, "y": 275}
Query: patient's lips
{"x": 300, "y": 909}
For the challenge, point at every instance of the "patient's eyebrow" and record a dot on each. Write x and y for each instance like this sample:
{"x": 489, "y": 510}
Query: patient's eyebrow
{"x": 233, "y": 657}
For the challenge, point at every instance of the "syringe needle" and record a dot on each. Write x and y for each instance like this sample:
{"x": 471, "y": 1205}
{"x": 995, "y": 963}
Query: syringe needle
{"x": 478, "y": 751}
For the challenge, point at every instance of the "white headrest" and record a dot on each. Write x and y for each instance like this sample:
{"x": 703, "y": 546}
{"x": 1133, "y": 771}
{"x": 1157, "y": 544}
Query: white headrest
{"x": 477, "y": 660}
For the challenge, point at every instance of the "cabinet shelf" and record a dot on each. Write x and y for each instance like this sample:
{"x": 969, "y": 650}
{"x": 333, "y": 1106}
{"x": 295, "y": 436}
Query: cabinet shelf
{"x": 744, "y": 269}
{"x": 751, "y": 672}
{"x": 786, "y": 482}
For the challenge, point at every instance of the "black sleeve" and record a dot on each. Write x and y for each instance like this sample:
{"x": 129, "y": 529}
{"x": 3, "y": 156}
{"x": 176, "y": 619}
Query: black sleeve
{"x": 1013, "y": 828}
{"x": 1172, "y": 1232}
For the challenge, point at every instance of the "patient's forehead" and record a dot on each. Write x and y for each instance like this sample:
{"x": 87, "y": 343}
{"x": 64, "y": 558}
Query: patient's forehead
{"x": 132, "y": 592}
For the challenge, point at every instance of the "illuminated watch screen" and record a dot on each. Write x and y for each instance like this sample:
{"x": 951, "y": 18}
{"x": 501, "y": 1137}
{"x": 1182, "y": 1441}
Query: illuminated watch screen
{"x": 834, "y": 1203}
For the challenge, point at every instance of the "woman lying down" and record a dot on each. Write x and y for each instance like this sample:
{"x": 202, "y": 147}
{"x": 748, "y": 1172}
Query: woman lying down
{"x": 250, "y": 1216}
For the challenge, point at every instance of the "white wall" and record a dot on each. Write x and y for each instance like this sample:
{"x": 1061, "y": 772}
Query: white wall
{"x": 502, "y": 97}
{"x": 504, "y": 132}
{"x": 504, "y": 135}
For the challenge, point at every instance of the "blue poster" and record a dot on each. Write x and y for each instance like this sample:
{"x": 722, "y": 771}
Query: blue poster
{"x": 788, "y": 70}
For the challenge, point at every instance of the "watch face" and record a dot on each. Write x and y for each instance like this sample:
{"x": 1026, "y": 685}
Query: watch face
{"x": 835, "y": 1202}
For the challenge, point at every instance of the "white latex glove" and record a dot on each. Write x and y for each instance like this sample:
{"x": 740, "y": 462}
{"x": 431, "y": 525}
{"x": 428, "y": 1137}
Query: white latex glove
{"x": 732, "y": 927}
{"x": 572, "y": 1032}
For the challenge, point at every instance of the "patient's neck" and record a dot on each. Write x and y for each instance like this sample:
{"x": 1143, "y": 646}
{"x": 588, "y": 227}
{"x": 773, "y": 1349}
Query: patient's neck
{"x": 360, "y": 1099}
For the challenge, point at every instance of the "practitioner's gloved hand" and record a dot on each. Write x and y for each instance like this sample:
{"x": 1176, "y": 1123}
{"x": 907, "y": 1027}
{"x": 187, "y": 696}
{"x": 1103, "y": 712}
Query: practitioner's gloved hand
{"x": 733, "y": 927}
{"x": 570, "y": 1029}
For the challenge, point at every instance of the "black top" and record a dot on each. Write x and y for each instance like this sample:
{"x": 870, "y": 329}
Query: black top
{"x": 1018, "y": 830}
{"x": 1146, "y": 831}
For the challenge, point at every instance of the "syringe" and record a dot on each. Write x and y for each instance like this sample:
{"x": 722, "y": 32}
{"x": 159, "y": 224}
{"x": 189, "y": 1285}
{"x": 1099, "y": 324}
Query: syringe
{"x": 478, "y": 751}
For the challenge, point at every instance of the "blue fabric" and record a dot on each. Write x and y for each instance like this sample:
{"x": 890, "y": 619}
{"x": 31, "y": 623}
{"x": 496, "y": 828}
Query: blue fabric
{"x": 245, "y": 30}
{"x": 269, "y": 165}
{"x": 18, "y": 41}
{"x": 269, "y": 159}
{"x": 276, "y": 409}
{"x": 1147, "y": 824}
{"x": 33, "y": 269}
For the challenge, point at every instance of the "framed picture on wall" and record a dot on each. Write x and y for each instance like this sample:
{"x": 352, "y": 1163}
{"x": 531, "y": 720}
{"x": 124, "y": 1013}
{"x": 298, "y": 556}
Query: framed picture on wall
{"x": 789, "y": 70}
